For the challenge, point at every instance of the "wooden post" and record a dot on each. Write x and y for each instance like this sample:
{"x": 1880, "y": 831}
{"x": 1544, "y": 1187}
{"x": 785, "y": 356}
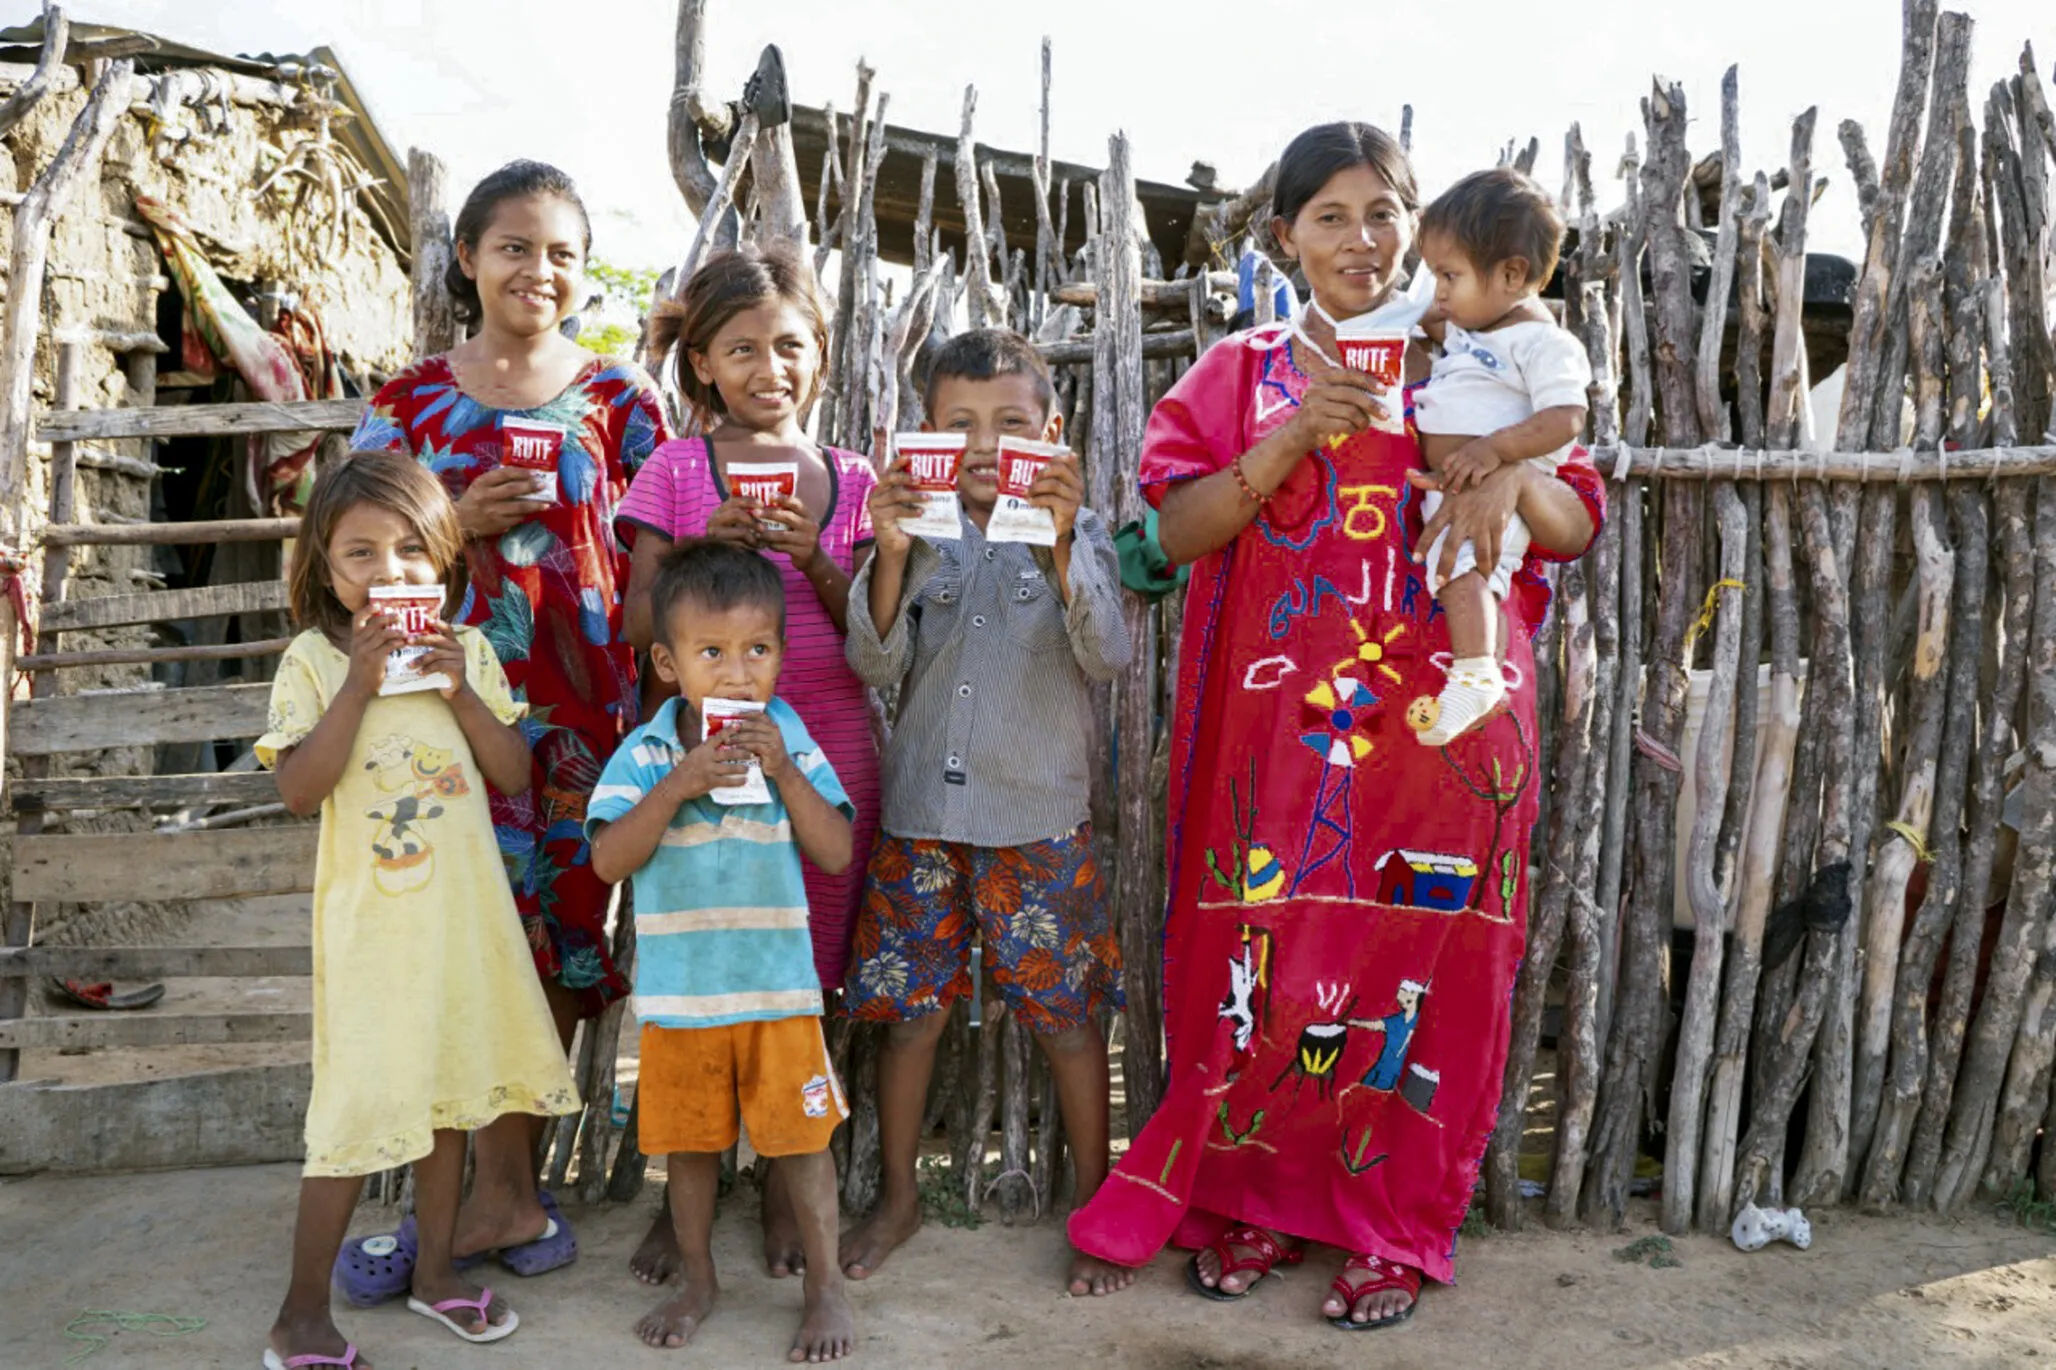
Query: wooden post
{"x": 40, "y": 207}
{"x": 1966, "y": 266}
{"x": 1633, "y": 1057}
{"x": 27, "y": 95}
{"x": 1625, "y": 500}
{"x": 977, "y": 258}
{"x": 435, "y": 325}
{"x": 1122, "y": 409}
{"x": 1713, "y": 422}
{"x": 1577, "y": 1053}
{"x": 20, "y": 916}
{"x": 1873, "y": 290}
{"x": 2023, "y": 1099}
{"x": 689, "y": 114}
{"x": 1709, "y": 907}
{"x": 1567, "y": 821}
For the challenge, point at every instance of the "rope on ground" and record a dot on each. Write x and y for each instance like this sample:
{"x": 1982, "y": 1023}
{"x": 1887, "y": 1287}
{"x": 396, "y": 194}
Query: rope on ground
{"x": 156, "y": 1324}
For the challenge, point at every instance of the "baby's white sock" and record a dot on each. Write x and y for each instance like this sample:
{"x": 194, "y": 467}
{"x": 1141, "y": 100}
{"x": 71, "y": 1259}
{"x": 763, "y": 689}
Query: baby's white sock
{"x": 1475, "y": 687}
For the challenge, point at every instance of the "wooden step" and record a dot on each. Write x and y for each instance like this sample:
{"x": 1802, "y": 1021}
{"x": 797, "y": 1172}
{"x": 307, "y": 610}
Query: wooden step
{"x": 94, "y": 964}
{"x": 224, "y": 863}
{"x": 198, "y": 420}
{"x": 79, "y": 723}
{"x": 164, "y": 606}
{"x": 147, "y": 1029}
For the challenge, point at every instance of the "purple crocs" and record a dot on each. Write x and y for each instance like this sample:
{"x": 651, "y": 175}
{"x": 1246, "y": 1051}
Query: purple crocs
{"x": 556, "y": 1248}
{"x": 377, "y": 1269}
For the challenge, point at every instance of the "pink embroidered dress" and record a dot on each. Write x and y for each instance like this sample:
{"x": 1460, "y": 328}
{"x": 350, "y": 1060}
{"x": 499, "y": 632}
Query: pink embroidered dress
{"x": 673, "y": 496}
{"x": 1347, "y": 906}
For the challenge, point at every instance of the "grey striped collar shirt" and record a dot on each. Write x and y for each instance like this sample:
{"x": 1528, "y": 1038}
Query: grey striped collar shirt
{"x": 993, "y": 742}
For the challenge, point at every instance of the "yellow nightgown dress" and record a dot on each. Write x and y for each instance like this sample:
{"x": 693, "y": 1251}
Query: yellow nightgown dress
{"x": 427, "y": 1010}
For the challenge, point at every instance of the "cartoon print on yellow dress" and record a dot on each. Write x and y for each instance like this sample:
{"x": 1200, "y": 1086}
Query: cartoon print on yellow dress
{"x": 417, "y": 778}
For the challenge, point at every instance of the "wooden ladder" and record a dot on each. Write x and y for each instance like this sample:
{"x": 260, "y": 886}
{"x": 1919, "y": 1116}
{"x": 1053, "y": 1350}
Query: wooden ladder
{"x": 223, "y": 1117}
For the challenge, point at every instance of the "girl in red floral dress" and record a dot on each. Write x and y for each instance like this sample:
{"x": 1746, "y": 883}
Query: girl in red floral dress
{"x": 536, "y": 439}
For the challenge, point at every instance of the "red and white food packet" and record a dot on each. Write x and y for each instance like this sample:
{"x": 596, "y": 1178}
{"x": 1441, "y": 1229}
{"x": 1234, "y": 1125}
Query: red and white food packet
{"x": 1379, "y": 351}
{"x": 1014, "y": 519}
{"x": 932, "y": 463}
{"x": 717, "y": 714}
{"x": 417, "y": 607}
{"x": 533, "y": 447}
{"x": 766, "y": 482}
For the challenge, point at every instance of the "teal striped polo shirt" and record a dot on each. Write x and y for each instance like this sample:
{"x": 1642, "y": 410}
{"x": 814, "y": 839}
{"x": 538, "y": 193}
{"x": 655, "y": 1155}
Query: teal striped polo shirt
{"x": 721, "y": 906}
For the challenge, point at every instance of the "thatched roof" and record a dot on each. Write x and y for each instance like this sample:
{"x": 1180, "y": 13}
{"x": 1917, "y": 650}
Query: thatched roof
{"x": 153, "y": 54}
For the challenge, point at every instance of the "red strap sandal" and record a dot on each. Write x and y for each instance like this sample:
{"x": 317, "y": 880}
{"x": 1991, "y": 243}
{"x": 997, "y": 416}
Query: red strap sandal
{"x": 1383, "y": 1275}
{"x": 1265, "y": 1253}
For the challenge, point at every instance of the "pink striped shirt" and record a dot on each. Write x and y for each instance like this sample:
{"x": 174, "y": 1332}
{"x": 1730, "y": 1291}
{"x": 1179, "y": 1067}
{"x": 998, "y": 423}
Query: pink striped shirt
{"x": 675, "y": 492}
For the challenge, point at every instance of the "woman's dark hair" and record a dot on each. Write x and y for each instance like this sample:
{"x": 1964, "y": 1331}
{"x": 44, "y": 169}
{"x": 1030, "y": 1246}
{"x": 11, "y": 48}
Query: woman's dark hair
{"x": 1312, "y": 159}
{"x": 715, "y": 576}
{"x": 390, "y": 480}
{"x": 515, "y": 181}
{"x": 727, "y": 284}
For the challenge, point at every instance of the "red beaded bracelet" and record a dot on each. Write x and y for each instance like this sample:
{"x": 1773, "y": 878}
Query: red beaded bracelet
{"x": 1235, "y": 468}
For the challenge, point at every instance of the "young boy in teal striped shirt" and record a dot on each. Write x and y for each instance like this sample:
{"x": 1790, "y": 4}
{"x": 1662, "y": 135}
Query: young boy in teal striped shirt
{"x": 725, "y": 986}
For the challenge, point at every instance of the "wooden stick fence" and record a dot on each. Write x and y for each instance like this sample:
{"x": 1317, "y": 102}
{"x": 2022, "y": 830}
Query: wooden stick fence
{"x": 1867, "y": 705}
{"x": 1869, "y": 1009}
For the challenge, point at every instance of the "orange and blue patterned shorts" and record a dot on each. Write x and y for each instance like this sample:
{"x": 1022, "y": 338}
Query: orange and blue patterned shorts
{"x": 1040, "y": 911}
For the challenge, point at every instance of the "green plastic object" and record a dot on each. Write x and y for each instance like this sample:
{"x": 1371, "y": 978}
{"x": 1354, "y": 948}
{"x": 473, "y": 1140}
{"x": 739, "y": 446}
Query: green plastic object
{"x": 1144, "y": 567}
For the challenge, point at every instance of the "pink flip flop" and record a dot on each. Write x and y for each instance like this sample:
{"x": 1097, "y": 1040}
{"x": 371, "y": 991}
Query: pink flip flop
{"x": 479, "y": 1306}
{"x": 346, "y": 1360}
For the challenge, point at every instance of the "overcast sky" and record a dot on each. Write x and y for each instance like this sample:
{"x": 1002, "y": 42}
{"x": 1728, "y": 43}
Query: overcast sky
{"x": 586, "y": 85}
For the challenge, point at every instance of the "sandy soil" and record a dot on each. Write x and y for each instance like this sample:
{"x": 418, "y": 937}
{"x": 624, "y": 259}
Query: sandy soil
{"x": 1899, "y": 1293}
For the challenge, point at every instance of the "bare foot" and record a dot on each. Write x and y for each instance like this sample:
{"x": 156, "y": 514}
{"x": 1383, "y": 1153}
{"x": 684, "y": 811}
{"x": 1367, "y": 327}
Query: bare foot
{"x": 828, "y": 1329}
{"x": 865, "y": 1246}
{"x": 657, "y": 1259}
{"x": 1091, "y": 1275}
{"x": 432, "y": 1291}
{"x": 311, "y": 1336}
{"x": 783, "y": 1253}
{"x": 496, "y": 1221}
{"x": 1374, "y": 1306}
{"x": 671, "y": 1324}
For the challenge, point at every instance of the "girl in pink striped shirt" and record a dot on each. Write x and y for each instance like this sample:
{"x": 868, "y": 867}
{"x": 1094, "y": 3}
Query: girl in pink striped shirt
{"x": 751, "y": 338}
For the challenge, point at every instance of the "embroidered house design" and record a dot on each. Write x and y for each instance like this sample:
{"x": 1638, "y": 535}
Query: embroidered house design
{"x": 1426, "y": 880}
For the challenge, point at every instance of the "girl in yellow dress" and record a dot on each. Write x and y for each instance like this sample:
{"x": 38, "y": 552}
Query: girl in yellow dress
{"x": 428, "y": 1019}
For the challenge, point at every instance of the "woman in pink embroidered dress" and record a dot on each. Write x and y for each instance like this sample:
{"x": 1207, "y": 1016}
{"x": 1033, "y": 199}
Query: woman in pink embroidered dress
{"x": 1347, "y": 907}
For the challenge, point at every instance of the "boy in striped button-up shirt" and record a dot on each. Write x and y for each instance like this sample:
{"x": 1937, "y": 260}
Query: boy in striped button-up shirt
{"x": 994, "y": 646}
{"x": 725, "y": 985}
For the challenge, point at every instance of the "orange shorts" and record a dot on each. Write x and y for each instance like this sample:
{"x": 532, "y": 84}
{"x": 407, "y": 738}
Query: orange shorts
{"x": 776, "y": 1073}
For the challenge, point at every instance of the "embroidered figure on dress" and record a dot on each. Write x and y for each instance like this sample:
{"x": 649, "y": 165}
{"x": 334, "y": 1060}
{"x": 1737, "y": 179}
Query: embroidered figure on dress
{"x": 1246, "y": 1137}
{"x": 1398, "y": 1027}
{"x": 1320, "y": 1045}
{"x": 1254, "y": 872}
{"x": 1249, "y": 979}
{"x": 1426, "y": 880}
{"x": 1500, "y": 782}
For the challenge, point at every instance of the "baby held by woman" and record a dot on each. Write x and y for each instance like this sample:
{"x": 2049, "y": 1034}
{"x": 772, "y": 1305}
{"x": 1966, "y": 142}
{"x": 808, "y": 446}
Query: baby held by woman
{"x": 1507, "y": 386}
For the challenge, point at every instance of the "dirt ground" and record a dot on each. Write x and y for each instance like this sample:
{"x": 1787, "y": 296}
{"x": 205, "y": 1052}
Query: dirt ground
{"x": 1899, "y": 1293}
